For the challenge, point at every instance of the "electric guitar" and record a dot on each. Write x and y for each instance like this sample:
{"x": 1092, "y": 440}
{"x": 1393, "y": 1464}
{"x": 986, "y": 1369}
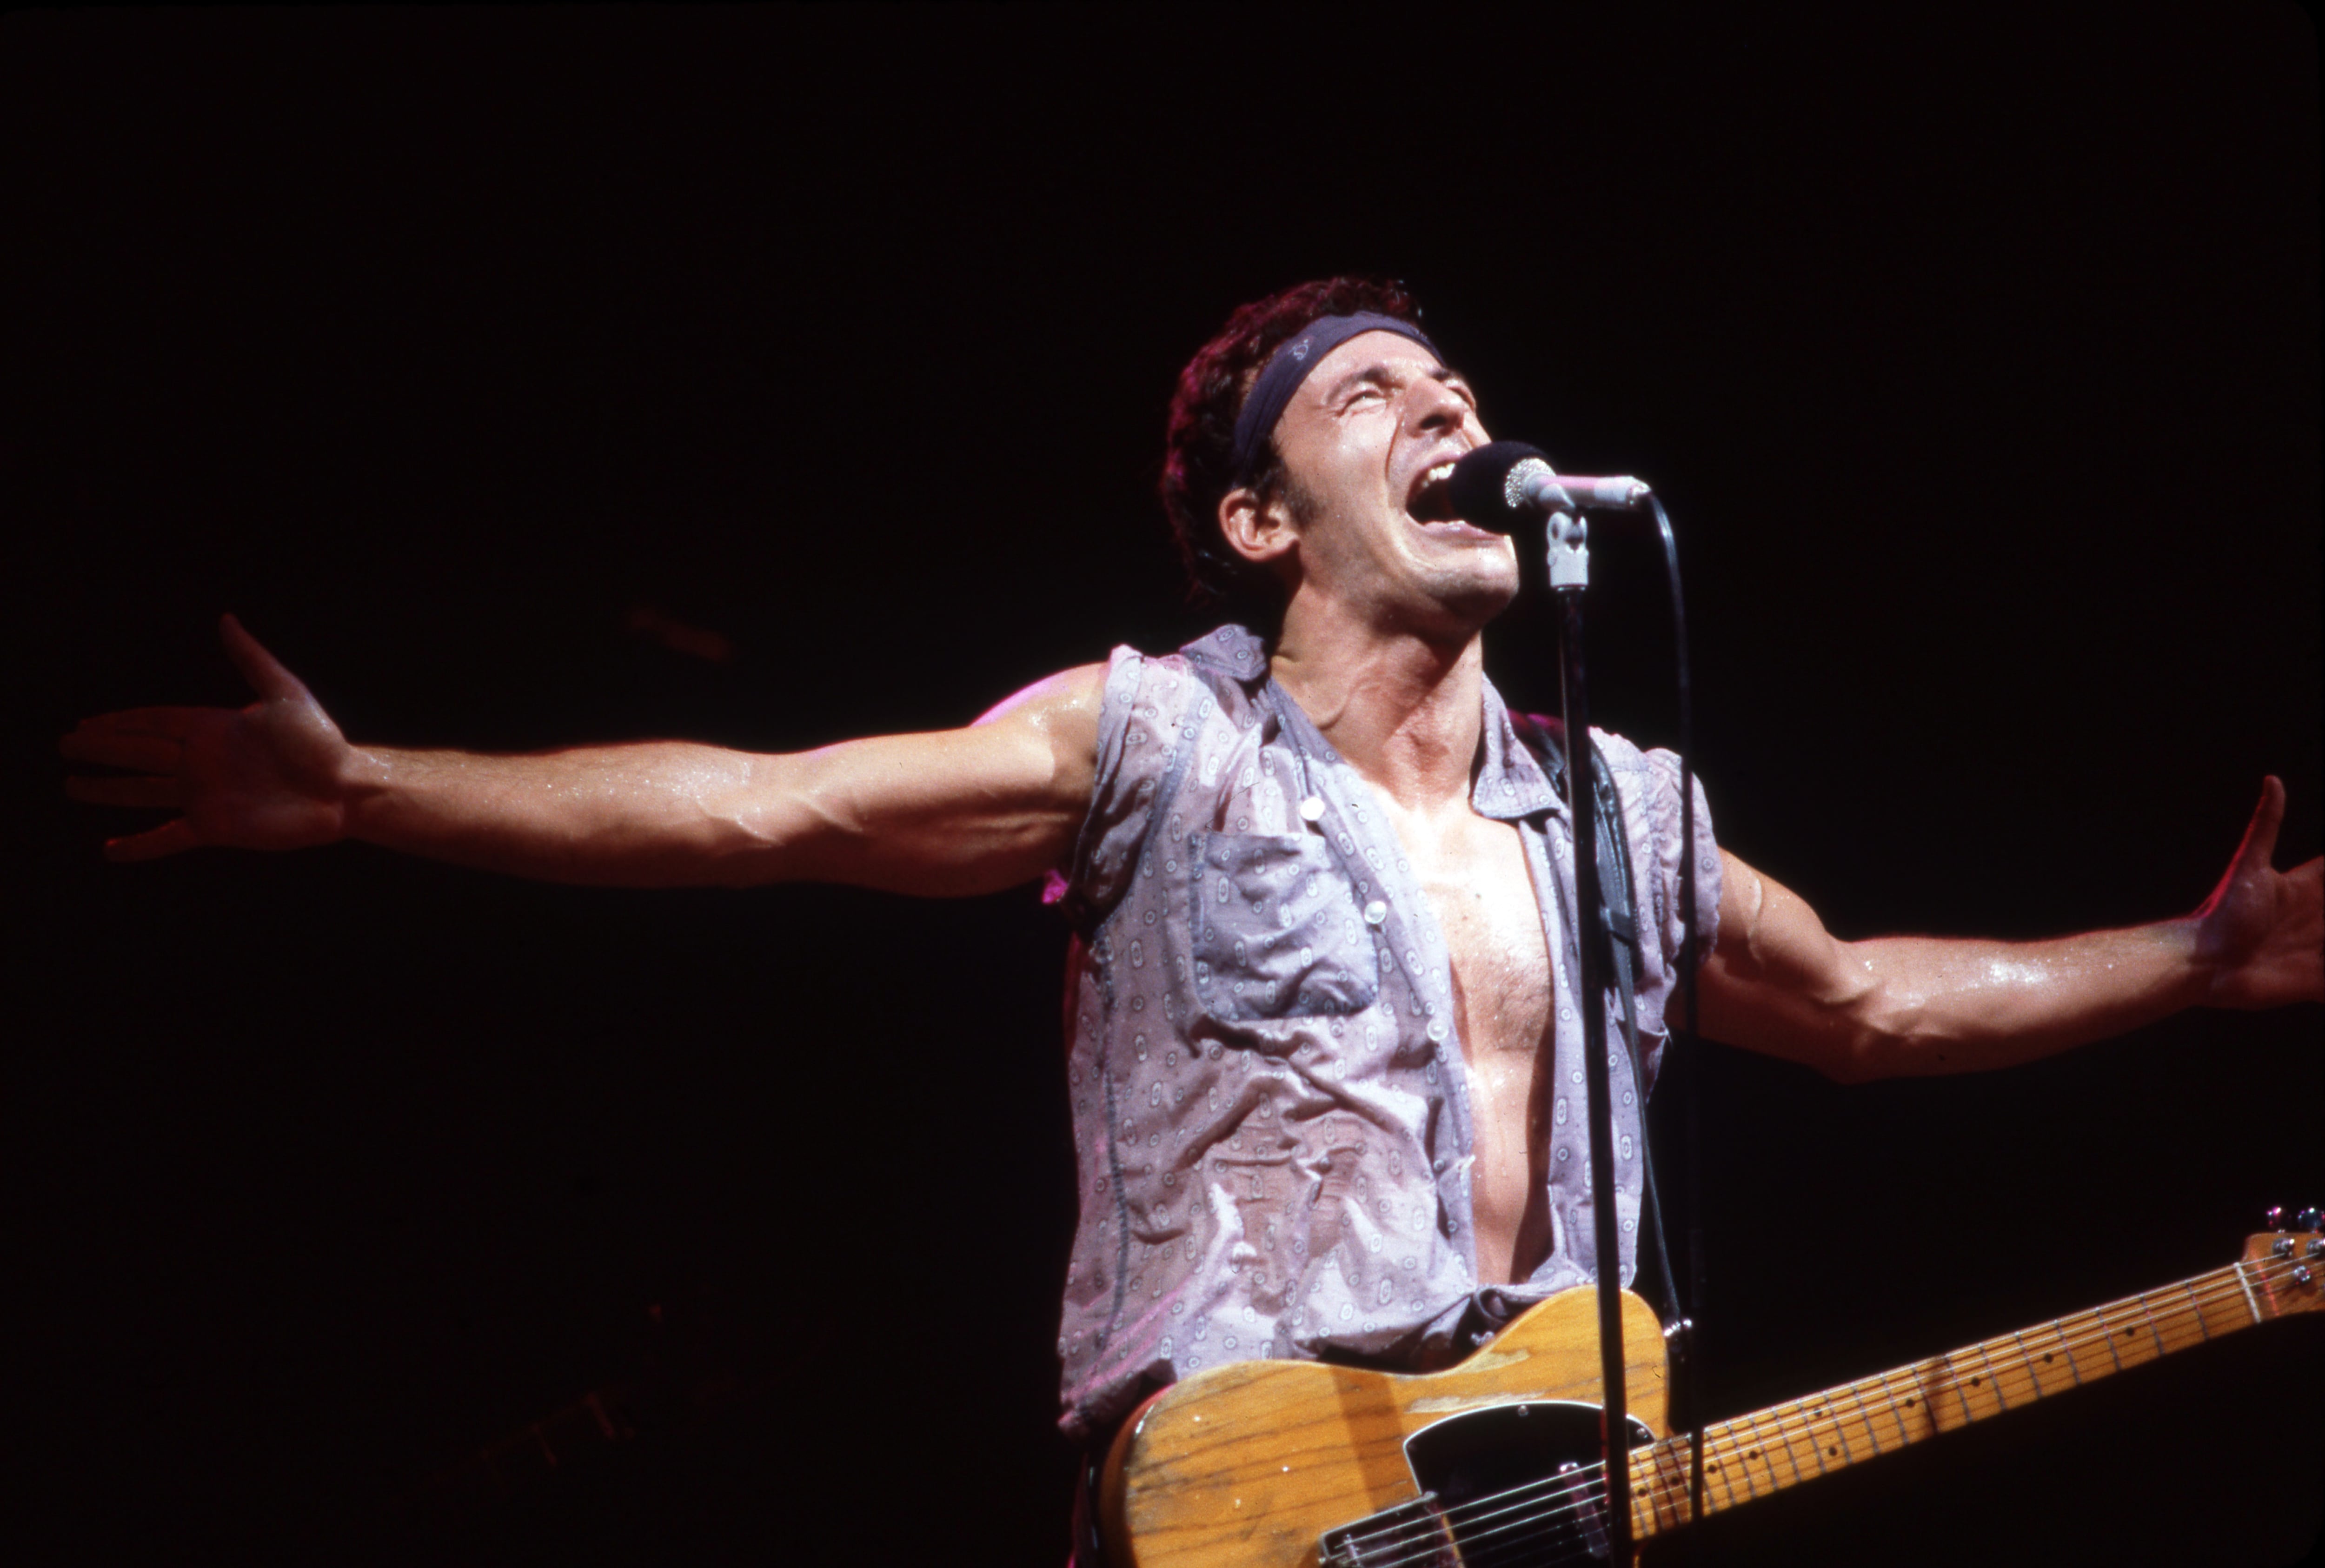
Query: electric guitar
{"x": 1273, "y": 1464}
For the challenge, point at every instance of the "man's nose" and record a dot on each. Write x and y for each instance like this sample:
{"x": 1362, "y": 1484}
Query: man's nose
{"x": 1435, "y": 406}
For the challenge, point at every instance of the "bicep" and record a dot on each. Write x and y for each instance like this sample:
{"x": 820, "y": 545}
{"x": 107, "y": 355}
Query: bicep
{"x": 949, "y": 813}
{"x": 1777, "y": 982}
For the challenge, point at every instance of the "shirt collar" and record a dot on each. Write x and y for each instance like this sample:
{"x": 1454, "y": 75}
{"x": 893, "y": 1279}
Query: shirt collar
{"x": 1511, "y": 783}
{"x": 1231, "y": 651}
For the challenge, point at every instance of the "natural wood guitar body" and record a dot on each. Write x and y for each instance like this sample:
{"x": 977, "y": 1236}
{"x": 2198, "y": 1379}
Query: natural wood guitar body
{"x": 1253, "y": 1463}
{"x": 1250, "y": 1464}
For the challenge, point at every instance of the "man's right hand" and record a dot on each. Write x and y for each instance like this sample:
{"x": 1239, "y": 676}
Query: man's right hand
{"x": 268, "y": 776}
{"x": 944, "y": 813}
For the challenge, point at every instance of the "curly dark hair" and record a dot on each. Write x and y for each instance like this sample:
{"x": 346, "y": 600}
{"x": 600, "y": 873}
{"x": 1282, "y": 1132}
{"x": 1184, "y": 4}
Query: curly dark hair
{"x": 1199, "y": 449}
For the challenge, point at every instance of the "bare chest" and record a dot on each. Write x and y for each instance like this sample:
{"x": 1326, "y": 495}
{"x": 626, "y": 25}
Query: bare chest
{"x": 1477, "y": 881}
{"x": 1482, "y": 893}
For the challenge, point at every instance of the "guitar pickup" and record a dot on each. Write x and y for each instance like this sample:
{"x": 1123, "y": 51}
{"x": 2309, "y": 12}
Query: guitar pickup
{"x": 1411, "y": 1536}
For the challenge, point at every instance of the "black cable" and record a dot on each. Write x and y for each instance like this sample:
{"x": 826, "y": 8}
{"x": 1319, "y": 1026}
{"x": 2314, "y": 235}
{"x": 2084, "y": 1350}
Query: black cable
{"x": 1691, "y": 1385}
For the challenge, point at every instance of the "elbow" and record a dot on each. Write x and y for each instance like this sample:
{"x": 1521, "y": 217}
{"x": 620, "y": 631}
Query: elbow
{"x": 1860, "y": 1054}
{"x": 1891, "y": 1040}
{"x": 1868, "y": 1033}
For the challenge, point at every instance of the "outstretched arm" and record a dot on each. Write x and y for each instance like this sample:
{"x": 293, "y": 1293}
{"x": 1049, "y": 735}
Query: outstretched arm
{"x": 955, "y": 812}
{"x": 1777, "y": 982}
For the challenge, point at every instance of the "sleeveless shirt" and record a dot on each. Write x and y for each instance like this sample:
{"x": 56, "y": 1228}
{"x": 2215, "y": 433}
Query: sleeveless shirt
{"x": 1270, "y": 1117}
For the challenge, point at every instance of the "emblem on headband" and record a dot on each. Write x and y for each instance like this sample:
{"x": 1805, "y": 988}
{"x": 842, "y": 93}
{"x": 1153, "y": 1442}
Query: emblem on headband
{"x": 1300, "y": 349}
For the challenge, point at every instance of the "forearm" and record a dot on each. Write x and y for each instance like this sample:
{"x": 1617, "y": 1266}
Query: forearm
{"x": 944, "y": 815}
{"x": 1777, "y": 981}
{"x": 658, "y": 813}
{"x": 1930, "y": 1005}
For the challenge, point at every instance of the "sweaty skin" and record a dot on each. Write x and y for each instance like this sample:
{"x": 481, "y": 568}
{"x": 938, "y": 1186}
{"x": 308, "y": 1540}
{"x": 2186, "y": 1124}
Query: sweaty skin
{"x": 1380, "y": 647}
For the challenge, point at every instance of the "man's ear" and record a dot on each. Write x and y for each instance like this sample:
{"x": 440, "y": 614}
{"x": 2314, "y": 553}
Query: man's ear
{"x": 1261, "y": 533}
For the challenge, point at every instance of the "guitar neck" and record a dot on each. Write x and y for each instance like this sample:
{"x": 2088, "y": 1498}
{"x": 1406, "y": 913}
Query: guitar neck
{"x": 1755, "y": 1455}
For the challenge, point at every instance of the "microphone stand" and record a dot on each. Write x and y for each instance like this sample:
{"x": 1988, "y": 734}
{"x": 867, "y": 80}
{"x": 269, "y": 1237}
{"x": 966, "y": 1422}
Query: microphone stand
{"x": 1569, "y": 575}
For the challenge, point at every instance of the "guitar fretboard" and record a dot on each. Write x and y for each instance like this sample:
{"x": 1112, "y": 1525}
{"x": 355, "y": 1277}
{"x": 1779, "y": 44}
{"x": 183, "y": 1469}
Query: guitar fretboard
{"x": 1769, "y": 1450}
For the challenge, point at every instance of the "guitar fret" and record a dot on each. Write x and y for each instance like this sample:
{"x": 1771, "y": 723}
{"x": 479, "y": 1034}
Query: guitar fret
{"x": 1671, "y": 1472}
{"x": 2025, "y": 1363}
{"x": 1961, "y": 1391}
{"x": 1898, "y": 1406}
{"x": 2107, "y": 1336}
{"x": 1744, "y": 1458}
{"x": 2147, "y": 1313}
{"x": 1840, "y": 1433}
{"x": 1768, "y": 1455}
{"x": 1916, "y": 1399}
{"x": 1992, "y": 1377}
{"x": 1785, "y": 1431}
{"x": 1675, "y": 1478}
{"x": 1816, "y": 1449}
{"x": 1858, "y": 1391}
{"x": 2060, "y": 1329}
{"x": 1720, "y": 1464}
{"x": 1758, "y": 1449}
{"x": 2190, "y": 1286}
{"x": 1806, "y": 1427}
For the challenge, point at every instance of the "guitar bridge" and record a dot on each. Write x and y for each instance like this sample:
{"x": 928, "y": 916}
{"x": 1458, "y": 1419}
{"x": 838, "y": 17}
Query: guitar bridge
{"x": 1411, "y": 1535}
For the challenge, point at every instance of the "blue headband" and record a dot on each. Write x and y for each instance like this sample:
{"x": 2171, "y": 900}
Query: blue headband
{"x": 1289, "y": 365}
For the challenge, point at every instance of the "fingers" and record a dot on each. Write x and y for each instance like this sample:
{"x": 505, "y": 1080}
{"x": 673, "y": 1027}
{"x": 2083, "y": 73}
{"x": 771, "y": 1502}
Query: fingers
{"x": 266, "y": 676}
{"x": 2260, "y": 838}
{"x": 169, "y": 839}
{"x": 114, "y": 748}
{"x": 144, "y": 792}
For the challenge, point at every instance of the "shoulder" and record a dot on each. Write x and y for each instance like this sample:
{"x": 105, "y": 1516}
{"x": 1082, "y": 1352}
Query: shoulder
{"x": 1212, "y": 679}
{"x": 1646, "y": 781}
{"x": 1065, "y": 697}
{"x": 1134, "y": 698}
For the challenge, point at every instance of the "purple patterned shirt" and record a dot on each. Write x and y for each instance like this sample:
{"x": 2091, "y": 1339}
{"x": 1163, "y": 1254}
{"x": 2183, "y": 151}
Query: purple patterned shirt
{"x": 1271, "y": 1119}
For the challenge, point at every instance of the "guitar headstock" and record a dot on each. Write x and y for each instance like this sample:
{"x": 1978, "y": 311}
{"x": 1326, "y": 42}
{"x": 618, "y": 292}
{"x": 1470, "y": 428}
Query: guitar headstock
{"x": 2286, "y": 1264}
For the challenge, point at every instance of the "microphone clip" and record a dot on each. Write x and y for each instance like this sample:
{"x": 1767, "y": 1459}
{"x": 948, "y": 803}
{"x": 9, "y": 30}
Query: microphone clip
{"x": 1569, "y": 552}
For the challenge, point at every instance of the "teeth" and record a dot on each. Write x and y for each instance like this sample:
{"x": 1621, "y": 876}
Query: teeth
{"x": 1440, "y": 472}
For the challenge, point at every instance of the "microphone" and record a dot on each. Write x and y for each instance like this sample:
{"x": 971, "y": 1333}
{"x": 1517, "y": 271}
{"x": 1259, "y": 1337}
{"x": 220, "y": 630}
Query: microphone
{"x": 1506, "y": 483}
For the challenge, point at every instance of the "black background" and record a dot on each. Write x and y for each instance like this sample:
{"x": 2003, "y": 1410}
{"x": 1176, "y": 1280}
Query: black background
{"x": 1976, "y": 353}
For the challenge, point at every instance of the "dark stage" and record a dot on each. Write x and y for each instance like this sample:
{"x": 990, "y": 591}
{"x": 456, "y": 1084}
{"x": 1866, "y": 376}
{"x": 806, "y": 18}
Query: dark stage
{"x": 533, "y": 378}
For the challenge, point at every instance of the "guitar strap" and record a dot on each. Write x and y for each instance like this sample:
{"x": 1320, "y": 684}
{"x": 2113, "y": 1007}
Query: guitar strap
{"x": 1619, "y": 913}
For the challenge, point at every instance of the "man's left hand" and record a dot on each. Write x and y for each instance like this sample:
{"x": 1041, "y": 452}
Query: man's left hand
{"x": 2263, "y": 930}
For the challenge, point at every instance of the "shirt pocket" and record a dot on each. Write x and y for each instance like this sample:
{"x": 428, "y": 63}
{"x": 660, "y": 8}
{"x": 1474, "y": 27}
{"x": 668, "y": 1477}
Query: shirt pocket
{"x": 1275, "y": 930}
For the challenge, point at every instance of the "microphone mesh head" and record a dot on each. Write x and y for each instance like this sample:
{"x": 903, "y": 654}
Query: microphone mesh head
{"x": 1485, "y": 488}
{"x": 1523, "y": 472}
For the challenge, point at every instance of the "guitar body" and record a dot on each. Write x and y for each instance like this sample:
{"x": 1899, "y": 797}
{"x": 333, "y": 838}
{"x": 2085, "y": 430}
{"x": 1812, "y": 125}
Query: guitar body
{"x": 1273, "y": 1464}
{"x": 1250, "y": 1463}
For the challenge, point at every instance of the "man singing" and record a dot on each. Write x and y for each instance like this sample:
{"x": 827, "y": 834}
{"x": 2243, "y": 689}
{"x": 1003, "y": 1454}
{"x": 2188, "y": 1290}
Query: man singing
{"x": 1325, "y": 1061}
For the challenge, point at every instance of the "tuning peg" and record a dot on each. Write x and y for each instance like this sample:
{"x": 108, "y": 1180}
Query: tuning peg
{"x": 2307, "y": 1220}
{"x": 2274, "y": 1219}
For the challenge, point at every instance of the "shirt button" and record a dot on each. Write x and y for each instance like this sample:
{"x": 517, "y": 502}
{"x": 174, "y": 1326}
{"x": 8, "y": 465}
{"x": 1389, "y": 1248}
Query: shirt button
{"x": 1376, "y": 911}
{"x": 1312, "y": 809}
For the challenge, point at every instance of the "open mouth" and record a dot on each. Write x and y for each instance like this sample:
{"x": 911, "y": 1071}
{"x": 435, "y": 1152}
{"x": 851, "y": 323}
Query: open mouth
{"x": 1431, "y": 501}
{"x": 1431, "y": 506}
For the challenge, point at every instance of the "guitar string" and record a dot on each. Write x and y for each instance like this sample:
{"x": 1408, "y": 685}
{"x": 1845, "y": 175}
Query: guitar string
{"x": 2217, "y": 1290}
{"x": 1583, "y": 1482}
